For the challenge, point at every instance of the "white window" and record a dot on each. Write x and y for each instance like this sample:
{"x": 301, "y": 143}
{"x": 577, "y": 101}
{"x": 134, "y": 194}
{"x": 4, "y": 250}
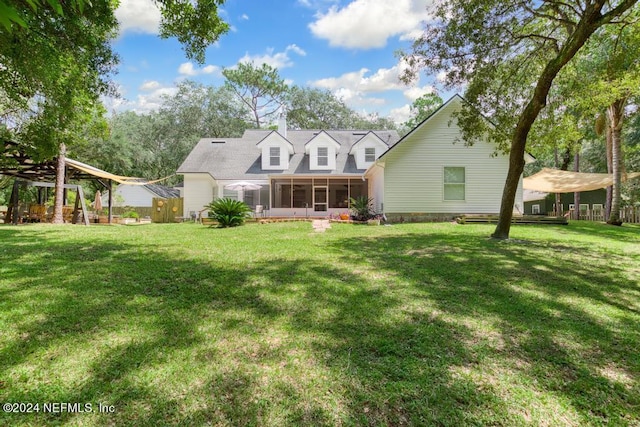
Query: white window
{"x": 370, "y": 154}
{"x": 597, "y": 209}
{"x": 323, "y": 156}
{"x": 274, "y": 156}
{"x": 535, "y": 209}
{"x": 454, "y": 183}
{"x": 584, "y": 208}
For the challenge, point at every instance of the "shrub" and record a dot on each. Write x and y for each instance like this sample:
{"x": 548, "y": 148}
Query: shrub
{"x": 228, "y": 212}
{"x": 131, "y": 214}
{"x": 361, "y": 208}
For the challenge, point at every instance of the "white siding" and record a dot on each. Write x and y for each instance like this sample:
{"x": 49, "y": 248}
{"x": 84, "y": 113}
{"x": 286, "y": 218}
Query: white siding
{"x": 199, "y": 191}
{"x": 413, "y": 174}
{"x": 131, "y": 195}
{"x": 375, "y": 177}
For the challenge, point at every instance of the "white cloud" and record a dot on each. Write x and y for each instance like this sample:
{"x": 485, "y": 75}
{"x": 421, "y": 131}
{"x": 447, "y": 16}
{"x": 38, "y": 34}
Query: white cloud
{"x": 355, "y": 88}
{"x": 366, "y": 24}
{"x": 416, "y": 92}
{"x": 138, "y": 16}
{"x": 244, "y": 17}
{"x": 145, "y": 103}
{"x": 358, "y": 81}
{"x": 149, "y": 85}
{"x": 188, "y": 69}
{"x": 275, "y": 59}
{"x": 400, "y": 115}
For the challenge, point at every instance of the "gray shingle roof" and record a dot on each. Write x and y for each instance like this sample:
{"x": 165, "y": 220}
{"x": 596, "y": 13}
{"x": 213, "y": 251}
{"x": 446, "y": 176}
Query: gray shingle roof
{"x": 239, "y": 158}
{"x": 163, "y": 191}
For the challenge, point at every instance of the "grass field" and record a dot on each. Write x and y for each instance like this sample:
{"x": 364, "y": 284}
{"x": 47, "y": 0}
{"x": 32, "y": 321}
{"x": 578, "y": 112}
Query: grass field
{"x": 414, "y": 324}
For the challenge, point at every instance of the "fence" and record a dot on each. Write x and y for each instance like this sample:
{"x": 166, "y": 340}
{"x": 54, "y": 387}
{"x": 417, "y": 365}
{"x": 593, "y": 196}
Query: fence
{"x": 630, "y": 214}
{"x": 166, "y": 210}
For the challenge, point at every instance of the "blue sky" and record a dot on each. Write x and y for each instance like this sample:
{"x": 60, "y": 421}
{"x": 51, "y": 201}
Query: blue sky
{"x": 344, "y": 46}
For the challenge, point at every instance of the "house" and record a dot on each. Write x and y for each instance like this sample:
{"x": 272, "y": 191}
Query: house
{"x": 430, "y": 174}
{"x": 301, "y": 172}
{"x": 140, "y": 195}
{"x": 542, "y": 203}
{"x": 424, "y": 175}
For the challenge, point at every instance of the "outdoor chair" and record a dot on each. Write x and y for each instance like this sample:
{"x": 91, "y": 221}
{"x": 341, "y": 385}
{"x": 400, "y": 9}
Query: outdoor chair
{"x": 37, "y": 213}
{"x": 67, "y": 213}
{"x": 258, "y": 211}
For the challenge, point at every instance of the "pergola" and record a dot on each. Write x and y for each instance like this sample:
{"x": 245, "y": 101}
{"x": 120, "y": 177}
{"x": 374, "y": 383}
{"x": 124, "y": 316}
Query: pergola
{"x": 27, "y": 172}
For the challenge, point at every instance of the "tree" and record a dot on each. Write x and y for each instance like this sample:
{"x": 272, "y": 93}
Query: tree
{"x": 614, "y": 64}
{"x": 154, "y": 145}
{"x": 261, "y": 89}
{"x": 422, "y": 108}
{"x": 601, "y": 78}
{"x": 508, "y": 53}
{"x": 309, "y": 108}
{"x": 57, "y": 61}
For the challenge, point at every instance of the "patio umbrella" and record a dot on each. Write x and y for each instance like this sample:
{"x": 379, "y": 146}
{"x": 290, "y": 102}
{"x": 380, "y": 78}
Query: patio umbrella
{"x": 97, "y": 204}
{"x": 243, "y": 186}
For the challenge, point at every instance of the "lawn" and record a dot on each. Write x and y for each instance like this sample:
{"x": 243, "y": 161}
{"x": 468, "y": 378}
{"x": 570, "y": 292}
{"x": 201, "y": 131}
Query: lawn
{"x": 272, "y": 325}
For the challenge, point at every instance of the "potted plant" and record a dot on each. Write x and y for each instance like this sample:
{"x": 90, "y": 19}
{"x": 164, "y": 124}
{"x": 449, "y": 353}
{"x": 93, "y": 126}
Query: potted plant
{"x": 361, "y": 208}
{"x": 129, "y": 217}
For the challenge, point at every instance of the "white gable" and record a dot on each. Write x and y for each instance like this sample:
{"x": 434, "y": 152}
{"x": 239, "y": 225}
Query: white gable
{"x": 322, "y": 150}
{"x": 364, "y": 147}
{"x": 276, "y": 151}
{"x": 430, "y": 170}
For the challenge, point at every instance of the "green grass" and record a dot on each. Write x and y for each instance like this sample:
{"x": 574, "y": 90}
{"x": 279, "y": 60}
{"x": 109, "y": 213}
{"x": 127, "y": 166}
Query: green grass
{"x": 414, "y": 324}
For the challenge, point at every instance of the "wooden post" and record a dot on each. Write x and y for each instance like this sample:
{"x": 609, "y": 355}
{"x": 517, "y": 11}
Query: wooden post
{"x": 80, "y": 196}
{"x": 12, "y": 211}
{"x": 110, "y": 201}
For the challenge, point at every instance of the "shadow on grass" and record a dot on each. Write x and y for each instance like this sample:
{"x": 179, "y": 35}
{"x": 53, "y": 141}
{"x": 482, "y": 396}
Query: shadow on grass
{"x": 568, "y": 319}
{"x": 404, "y": 329}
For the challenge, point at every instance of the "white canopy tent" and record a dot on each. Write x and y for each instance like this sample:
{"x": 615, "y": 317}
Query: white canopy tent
{"x": 559, "y": 181}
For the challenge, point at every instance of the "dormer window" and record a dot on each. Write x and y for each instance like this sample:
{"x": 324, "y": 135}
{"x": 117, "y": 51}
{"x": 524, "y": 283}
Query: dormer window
{"x": 276, "y": 152}
{"x": 367, "y": 149}
{"x": 370, "y": 154}
{"x": 323, "y": 156}
{"x": 322, "y": 150}
{"x": 274, "y": 156}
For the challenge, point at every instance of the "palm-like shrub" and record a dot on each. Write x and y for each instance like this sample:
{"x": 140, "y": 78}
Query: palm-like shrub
{"x": 362, "y": 208}
{"x": 228, "y": 212}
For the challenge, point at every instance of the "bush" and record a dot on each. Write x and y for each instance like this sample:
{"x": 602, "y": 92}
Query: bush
{"x": 131, "y": 214}
{"x": 361, "y": 208}
{"x": 228, "y": 212}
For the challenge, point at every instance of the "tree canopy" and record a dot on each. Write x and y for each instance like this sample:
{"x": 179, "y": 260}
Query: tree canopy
{"x": 260, "y": 88}
{"x": 508, "y": 55}
{"x": 57, "y": 61}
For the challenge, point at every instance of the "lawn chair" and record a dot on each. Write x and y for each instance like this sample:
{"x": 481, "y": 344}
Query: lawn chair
{"x": 37, "y": 213}
{"x": 67, "y": 213}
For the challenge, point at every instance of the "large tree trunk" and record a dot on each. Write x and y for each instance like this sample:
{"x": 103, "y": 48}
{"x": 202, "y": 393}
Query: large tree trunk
{"x": 609, "y": 143}
{"x": 592, "y": 19}
{"x": 576, "y": 195}
{"x": 59, "y": 193}
{"x": 615, "y": 115}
